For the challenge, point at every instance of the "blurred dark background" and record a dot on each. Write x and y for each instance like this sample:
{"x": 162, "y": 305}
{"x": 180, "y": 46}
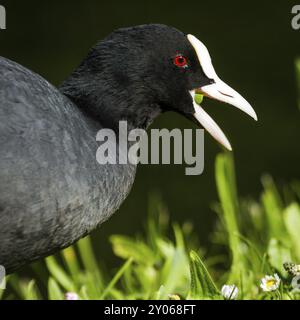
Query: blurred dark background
{"x": 254, "y": 49}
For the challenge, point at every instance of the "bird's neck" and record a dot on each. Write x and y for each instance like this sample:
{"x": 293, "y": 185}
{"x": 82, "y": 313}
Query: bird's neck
{"x": 110, "y": 101}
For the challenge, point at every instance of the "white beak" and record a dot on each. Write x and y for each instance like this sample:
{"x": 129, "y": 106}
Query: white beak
{"x": 209, "y": 124}
{"x": 218, "y": 90}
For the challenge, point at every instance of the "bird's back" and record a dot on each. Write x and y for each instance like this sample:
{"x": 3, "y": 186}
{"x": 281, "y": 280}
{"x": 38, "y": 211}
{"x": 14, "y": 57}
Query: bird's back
{"x": 52, "y": 190}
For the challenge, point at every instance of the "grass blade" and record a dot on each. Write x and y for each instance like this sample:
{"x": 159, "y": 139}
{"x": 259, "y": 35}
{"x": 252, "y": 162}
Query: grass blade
{"x": 226, "y": 185}
{"x": 202, "y": 285}
{"x": 292, "y": 222}
{"x": 54, "y": 291}
{"x": 59, "y": 274}
{"x": 89, "y": 261}
{"x": 115, "y": 279}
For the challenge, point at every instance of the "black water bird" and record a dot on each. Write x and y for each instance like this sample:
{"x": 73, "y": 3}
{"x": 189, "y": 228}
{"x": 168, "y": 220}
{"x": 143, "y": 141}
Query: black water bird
{"x": 52, "y": 189}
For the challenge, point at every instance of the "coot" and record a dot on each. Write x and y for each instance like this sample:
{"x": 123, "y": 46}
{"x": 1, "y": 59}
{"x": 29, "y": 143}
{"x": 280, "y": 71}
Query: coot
{"x": 52, "y": 189}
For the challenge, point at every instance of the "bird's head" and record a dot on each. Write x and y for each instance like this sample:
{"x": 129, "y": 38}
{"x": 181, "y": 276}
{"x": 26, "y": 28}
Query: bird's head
{"x": 141, "y": 71}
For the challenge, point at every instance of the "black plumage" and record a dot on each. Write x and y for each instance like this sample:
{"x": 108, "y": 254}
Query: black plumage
{"x": 52, "y": 190}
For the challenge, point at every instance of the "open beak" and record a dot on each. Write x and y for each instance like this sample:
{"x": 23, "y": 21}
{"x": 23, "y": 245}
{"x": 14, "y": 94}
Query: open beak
{"x": 217, "y": 90}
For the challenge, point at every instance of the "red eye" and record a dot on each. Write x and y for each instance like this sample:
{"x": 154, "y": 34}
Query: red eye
{"x": 180, "y": 61}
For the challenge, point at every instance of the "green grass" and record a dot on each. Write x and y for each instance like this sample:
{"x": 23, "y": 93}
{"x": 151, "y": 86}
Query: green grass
{"x": 251, "y": 239}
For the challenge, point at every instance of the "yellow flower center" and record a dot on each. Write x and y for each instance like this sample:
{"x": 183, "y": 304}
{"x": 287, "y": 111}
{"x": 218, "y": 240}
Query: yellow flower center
{"x": 270, "y": 283}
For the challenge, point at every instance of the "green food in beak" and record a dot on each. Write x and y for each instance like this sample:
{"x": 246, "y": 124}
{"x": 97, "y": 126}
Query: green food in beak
{"x": 198, "y": 98}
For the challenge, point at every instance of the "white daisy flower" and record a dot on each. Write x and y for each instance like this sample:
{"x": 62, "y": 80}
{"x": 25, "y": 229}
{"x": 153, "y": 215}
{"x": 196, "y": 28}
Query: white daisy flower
{"x": 230, "y": 291}
{"x": 270, "y": 283}
{"x": 71, "y": 296}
